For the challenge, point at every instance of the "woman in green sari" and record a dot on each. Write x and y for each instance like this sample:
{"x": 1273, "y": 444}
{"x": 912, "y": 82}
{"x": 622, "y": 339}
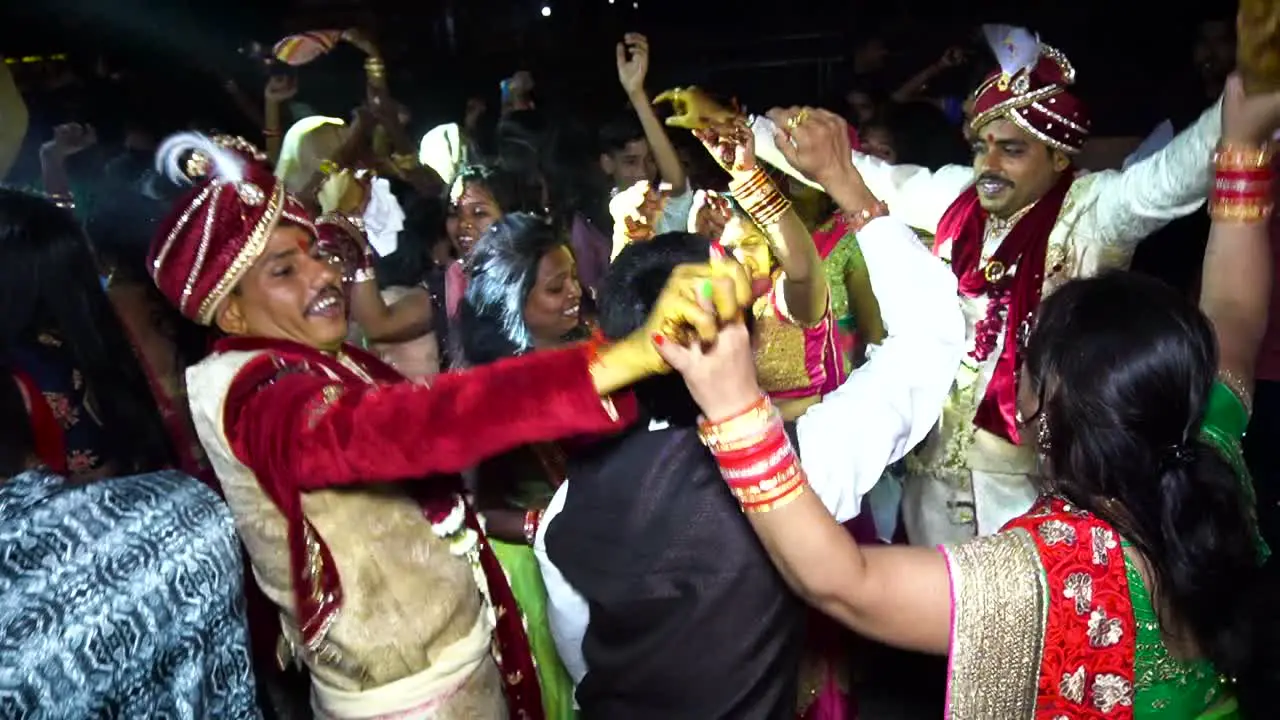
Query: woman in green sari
{"x": 1134, "y": 588}
{"x": 522, "y": 295}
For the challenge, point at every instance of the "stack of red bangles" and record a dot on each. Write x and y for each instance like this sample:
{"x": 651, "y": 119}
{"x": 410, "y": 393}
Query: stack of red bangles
{"x": 756, "y": 457}
{"x": 1242, "y": 184}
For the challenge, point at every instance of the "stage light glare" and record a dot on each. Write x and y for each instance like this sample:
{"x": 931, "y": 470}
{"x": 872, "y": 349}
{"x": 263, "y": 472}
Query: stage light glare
{"x": 546, "y": 11}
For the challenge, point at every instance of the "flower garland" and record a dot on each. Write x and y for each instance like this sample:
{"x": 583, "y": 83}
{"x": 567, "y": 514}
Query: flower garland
{"x": 449, "y": 523}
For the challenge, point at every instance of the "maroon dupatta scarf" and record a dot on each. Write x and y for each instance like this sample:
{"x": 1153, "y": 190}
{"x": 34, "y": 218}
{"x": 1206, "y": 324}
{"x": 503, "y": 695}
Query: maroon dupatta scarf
{"x": 1012, "y": 279}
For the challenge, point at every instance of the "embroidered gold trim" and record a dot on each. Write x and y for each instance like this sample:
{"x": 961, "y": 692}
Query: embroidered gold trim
{"x": 1015, "y": 116}
{"x": 254, "y": 245}
{"x": 1238, "y": 386}
{"x": 1000, "y": 612}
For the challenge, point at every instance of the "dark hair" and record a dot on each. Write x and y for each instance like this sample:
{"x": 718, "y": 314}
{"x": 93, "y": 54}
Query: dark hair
{"x": 628, "y": 294}
{"x": 501, "y": 272}
{"x": 922, "y": 135}
{"x": 48, "y": 281}
{"x": 616, "y": 133}
{"x": 120, "y": 229}
{"x": 17, "y": 439}
{"x": 512, "y": 191}
{"x": 1123, "y": 366}
{"x": 410, "y": 264}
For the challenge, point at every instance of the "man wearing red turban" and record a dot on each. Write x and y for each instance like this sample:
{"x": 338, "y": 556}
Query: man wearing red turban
{"x": 342, "y": 476}
{"x": 1017, "y": 224}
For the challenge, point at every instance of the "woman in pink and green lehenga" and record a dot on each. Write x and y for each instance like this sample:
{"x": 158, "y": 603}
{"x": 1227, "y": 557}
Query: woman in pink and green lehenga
{"x": 1134, "y": 588}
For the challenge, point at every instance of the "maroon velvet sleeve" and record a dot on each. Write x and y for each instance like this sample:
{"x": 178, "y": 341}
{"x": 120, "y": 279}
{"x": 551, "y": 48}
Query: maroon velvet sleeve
{"x": 316, "y": 432}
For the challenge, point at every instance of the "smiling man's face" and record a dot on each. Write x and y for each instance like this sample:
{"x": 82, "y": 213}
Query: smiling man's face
{"x": 291, "y": 293}
{"x": 1012, "y": 168}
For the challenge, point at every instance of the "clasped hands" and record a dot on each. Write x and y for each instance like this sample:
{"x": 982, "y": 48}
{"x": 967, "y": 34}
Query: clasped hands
{"x": 697, "y": 302}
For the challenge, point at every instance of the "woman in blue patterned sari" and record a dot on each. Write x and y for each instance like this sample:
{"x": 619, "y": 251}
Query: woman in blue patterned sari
{"x": 121, "y": 598}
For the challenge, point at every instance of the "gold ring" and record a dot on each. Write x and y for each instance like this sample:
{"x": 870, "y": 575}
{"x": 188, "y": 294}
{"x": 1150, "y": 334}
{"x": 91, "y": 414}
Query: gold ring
{"x": 794, "y": 121}
{"x": 671, "y": 329}
{"x": 678, "y": 332}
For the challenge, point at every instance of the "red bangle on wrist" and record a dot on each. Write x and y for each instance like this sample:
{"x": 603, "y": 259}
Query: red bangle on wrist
{"x": 532, "y": 519}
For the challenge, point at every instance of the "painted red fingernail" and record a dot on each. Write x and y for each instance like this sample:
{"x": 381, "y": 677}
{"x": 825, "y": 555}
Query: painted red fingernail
{"x": 659, "y": 339}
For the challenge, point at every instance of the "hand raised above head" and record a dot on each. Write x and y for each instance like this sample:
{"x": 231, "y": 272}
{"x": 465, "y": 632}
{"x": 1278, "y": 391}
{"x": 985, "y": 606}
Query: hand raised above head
{"x": 1249, "y": 120}
{"x": 71, "y": 138}
{"x": 814, "y": 141}
{"x": 281, "y": 88}
{"x": 633, "y": 62}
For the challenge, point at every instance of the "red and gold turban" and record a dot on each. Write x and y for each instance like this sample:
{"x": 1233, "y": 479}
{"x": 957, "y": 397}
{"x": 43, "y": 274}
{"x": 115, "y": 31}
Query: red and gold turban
{"x": 220, "y": 227}
{"x": 1032, "y": 91}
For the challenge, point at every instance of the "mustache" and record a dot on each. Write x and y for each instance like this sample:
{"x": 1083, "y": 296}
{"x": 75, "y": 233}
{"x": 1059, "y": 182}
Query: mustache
{"x": 992, "y": 177}
{"x": 329, "y": 291}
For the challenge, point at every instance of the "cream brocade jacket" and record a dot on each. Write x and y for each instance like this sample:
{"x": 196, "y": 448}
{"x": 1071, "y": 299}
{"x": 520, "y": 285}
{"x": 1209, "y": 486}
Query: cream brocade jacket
{"x": 410, "y": 606}
{"x": 1103, "y": 218}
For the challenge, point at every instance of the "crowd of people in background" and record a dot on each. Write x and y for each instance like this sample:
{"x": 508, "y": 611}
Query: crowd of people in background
{"x": 310, "y": 393}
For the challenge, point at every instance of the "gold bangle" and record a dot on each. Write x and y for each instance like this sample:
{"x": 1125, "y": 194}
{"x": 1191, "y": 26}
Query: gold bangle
{"x": 741, "y": 431}
{"x": 770, "y": 212}
{"x": 773, "y": 214}
{"x": 780, "y": 502}
{"x": 1248, "y": 211}
{"x": 749, "y": 185}
{"x": 1243, "y": 157}
{"x": 772, "y": 487}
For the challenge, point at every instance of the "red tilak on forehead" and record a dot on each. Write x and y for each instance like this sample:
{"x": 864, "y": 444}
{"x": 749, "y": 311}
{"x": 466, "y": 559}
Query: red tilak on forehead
{"x": 991, "y": 137}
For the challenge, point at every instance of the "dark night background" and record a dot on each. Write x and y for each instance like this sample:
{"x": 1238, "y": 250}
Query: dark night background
{"x": 1129, "y": 54}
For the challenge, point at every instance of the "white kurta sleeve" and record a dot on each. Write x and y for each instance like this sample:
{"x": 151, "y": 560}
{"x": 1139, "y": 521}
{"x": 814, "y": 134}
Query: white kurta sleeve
{"x": 915, "y": 195}
{"x": 1172, "y": 182}
{"x": 567, "y": 611}
{"x": 889, "y": 404}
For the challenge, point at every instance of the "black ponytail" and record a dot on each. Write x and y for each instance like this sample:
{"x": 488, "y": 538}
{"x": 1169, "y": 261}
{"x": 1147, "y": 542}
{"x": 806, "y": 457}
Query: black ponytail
{"x": 1125, "y": 366}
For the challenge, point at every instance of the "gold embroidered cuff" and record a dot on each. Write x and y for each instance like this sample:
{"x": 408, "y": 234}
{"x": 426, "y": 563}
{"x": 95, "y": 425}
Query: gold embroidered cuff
{"x": 999, "y": 613}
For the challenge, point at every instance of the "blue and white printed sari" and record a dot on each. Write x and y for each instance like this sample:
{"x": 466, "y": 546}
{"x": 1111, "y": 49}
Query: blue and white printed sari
{"x": 121, "y": 598}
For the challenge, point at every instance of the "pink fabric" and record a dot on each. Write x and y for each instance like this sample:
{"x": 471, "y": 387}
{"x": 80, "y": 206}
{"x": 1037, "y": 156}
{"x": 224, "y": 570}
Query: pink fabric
{"x": 591, "y": 251}
{"x": 831, "y": 703}
{"x": 822, "y": 359}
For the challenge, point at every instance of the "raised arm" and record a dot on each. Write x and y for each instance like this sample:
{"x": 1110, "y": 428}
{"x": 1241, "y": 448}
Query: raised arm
{"x": 1173, "y": 182}
{"x": 633, "y": 67}
{"x": 888, "y": 405}
{"x": 1236, "y": 278}
{"x": 803, "y": 284}
{"x": 915, "y": 195}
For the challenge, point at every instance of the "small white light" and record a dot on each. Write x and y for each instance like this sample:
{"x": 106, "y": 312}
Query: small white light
{"x": 635, "y": 6}
{"x": 546, "y": 11}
